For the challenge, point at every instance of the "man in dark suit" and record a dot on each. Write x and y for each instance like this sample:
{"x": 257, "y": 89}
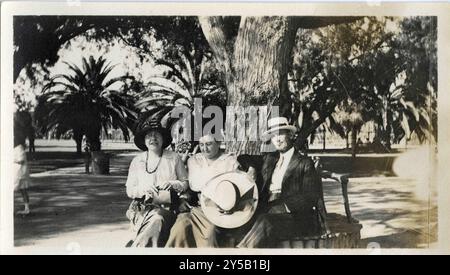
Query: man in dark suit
{"x": 291, "y": 194}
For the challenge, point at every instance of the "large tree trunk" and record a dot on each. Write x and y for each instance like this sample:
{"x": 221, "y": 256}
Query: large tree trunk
{"x": 388, "y": 142}
{"x": 79, "y": 145}
{"x": 255, "y": 68}
{"x": 347, "y": 143}
{"x": 255, "y": 62}
{"x": 324, "y": 138}
{"x": 78, "y": 137}
{"x": 387, "y": 124}
{"x": 93, "y": 139}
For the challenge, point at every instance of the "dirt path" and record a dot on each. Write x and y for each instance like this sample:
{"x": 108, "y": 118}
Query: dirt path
{"x": 69, "y": 206}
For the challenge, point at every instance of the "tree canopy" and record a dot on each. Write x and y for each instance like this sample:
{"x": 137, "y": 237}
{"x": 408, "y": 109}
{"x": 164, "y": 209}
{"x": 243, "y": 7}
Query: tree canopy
{"x": 317, "y": 68}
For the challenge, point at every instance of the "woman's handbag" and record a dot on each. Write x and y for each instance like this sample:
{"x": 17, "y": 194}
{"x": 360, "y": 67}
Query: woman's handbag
{"x": 187, "y": 201}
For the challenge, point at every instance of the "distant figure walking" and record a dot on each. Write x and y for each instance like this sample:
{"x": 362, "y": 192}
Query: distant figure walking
{"x": 22, "y": 124}
{"x": 22, "y": 174}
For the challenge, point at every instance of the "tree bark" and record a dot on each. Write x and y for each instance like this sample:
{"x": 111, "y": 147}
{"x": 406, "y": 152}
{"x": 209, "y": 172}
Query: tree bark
{"x": 255, "y": 64}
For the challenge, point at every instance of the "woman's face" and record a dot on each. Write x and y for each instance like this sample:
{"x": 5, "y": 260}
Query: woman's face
{"x": 154, "y": 141}
{"x": 209, "y": 146}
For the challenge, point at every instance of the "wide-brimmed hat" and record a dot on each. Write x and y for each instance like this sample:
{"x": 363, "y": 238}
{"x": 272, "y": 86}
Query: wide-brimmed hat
{"x": 229, "y": 200}
{"x": 144, "y": 127}
{"x": 277, "y": 124}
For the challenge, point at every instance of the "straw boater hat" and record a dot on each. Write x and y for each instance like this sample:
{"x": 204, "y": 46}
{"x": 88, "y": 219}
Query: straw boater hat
{"x": 144, "y": 127}
{"x": 277, "y": 124}
{"x": 229, "y": 200}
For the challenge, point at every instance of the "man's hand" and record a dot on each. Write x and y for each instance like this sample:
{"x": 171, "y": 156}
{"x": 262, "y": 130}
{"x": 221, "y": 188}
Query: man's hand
{"x": 252, "y": 173}
{"x": 278, "y": 209}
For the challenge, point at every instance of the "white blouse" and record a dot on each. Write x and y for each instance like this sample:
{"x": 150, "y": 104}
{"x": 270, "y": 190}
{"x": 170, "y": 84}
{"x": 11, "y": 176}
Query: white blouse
{"x": 201, "y": 171}
{"x": 140, "y": 181}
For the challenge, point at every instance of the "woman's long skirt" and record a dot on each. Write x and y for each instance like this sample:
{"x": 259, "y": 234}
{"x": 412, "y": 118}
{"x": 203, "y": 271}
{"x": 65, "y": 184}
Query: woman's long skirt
{"x": 193, "y": 230}
{"x": 151, "y": 226}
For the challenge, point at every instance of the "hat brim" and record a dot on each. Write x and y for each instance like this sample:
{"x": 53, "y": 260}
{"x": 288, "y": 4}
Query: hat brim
{"x": 268, "y": 134}
{"x": 249, "y": 201}
{"x": 139, "y": 138}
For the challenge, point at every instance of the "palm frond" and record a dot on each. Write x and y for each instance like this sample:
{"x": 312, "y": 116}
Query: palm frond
{"x": 160, "y": 83}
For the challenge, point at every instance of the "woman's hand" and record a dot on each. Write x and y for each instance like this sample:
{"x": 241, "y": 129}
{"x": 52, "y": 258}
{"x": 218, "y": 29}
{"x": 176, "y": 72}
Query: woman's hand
{"x": 151, "y": 193}
{"x": 176, "y": 185}
{"x": 185, "y": 155}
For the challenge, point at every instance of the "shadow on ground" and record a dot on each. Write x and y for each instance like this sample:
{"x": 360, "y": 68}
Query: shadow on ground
{"x": 389, "y": 211}
{"x": 67, "y": 200}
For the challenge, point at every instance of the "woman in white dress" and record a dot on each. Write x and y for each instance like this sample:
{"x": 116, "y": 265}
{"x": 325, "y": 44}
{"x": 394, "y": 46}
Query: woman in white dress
{"x": 22, "y": 174}
{"x": 155, "y": 178}
{"x": 193, "y": 229}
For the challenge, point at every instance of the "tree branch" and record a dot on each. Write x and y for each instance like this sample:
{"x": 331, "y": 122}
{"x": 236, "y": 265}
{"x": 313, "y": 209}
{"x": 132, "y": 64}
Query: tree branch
{"x": 311, "y": 22}
{"x": 214, "y": 29}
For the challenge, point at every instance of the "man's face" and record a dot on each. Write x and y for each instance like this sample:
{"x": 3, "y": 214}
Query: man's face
{"x": 154, "y": 141}
{"x": 209, "y": 146}
{"x": 282, "y": 140}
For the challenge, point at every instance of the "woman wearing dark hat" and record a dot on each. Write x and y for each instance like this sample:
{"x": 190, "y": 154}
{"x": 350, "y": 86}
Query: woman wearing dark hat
{"x": 154, "y": 176}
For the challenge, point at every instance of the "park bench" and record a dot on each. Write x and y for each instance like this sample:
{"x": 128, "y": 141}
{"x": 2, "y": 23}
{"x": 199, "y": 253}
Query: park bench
{"x": 339, "y": 231}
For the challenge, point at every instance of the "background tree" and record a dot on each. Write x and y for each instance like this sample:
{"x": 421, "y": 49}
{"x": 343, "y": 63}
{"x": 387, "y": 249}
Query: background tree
{"x": 366, "y": 62}
{"x": 349, "y": 119}
{"x": 397, "y": 87}
{"x": 416, "y": 45}
{"x": 84, "y": 102}
{"x": 326, "y": 73}
{"x": 182, "y": 82}
{"x": 38, "y": 39}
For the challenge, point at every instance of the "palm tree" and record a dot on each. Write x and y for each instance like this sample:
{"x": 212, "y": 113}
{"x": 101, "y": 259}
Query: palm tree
{"x": 400, "y": 116}
{"x": 83, "y": 102}
{"x": 349, "y": 117}
{"x": 398, "y": 107}
{"x": 187, "y": 78}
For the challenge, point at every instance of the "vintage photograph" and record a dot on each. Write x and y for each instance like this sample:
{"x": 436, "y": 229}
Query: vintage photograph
{"x": 222, "y": 131}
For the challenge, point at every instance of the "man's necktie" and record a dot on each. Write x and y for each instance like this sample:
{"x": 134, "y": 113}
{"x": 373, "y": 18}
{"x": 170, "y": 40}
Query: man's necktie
{"x": 280, "y": 162}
